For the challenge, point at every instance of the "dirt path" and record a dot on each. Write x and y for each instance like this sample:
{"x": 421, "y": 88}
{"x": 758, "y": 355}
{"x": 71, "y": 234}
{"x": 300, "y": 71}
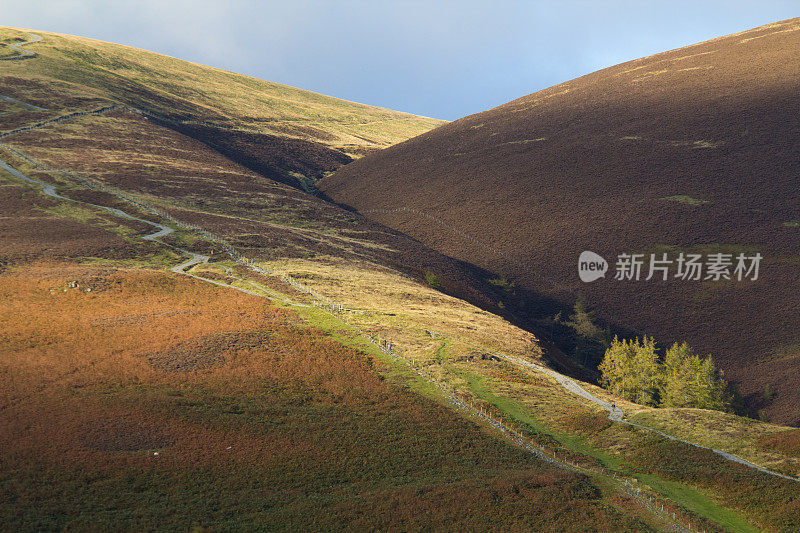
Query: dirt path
{"x": 616, "y": 414}
{"x": 161, "y": 229}
{"x": 62, "y": 118}
{"x": 50, "y": 190}
{"x": 21, "y": 52}
{"x": 26, "y": 105}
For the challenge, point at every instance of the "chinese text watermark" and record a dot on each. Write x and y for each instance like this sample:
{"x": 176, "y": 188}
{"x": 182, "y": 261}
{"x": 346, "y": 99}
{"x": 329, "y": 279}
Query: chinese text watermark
{"x": 684, "y": 266}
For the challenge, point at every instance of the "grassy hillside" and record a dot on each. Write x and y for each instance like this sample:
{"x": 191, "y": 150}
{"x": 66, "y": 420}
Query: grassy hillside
{"x": 347, "y": 388}
{"x": 299, "y": 134}
{"x": 78, "y": 260}
{"x": 141, "y": 399}
{"x": 691, "y": 151}
{"x": 161, "y": 404}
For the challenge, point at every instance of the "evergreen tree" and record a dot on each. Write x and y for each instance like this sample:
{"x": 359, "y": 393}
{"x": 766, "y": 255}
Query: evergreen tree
{"x": 582, "y": 321}
{"x": 647, "y": 372}
{"x": 631, "y": 369}
{"x": 677, "y": 383}
{"x": 692, "y": 381}
{"x": 615, "y": 367}
{"x": 590, "y": 340}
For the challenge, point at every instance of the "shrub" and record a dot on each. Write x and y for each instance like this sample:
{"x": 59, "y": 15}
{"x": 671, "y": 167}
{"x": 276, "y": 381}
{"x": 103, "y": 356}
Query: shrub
{"x": 432, "y": 280}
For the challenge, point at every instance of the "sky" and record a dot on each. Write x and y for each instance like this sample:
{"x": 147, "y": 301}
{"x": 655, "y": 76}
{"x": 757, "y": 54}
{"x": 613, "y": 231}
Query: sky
{"x": 443, "y": 59}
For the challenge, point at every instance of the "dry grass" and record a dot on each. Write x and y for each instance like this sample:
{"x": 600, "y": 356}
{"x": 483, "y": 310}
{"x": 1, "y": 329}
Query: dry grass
{"x": 286, "y": 428}
{"x": 184, "y": 90}
{"x": 402, "y": 310}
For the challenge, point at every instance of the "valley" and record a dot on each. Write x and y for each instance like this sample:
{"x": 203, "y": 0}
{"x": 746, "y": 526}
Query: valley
{"x": 183, "y": 329}
{"x": 686, "y": 151}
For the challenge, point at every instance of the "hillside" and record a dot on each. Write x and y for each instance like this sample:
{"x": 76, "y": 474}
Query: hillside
{"x": 300, "y": 134}
{"x": 691, "y": 150}
{"x": 189, "y": 343}
{"x": 132, "y": 376}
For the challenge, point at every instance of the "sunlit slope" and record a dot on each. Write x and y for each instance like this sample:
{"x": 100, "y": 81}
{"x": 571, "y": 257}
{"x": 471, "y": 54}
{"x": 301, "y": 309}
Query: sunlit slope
{"x": 286, "y": 122}
{"x": 125, "y": 383}
{"x": 692, "y": 150}
{"x": 175, "y": 381}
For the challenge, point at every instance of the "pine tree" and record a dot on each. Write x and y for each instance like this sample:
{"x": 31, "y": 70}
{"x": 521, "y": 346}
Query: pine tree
{"x": 590, "y": 340}
{"x": 677, "y": 383}
{"x": 646, "y": 372}
{"x": 631, "y": 369}
{"x": 582, "y": 321}
{"x": 615, "y": 367}
{"x": 692, "y": 381}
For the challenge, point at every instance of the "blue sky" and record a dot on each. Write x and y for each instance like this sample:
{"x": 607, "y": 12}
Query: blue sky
{"x": 445, "y": 59}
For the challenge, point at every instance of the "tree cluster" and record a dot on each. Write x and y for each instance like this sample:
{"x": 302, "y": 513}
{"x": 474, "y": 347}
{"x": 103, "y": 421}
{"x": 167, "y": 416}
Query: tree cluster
{"x": 634, "y": 370}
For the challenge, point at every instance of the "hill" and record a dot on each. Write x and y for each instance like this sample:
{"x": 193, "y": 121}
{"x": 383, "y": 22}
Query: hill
{"x": 690, "y": 150}
{"x": 222, "y": 392}
{"x": 300, "y": 134}
{"x": 190, "y": 343}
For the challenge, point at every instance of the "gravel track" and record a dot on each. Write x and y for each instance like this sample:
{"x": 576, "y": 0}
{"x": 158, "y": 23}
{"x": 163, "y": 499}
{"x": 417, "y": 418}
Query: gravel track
{"x": 21, "y": 52}
{"x": 616, "y": 414}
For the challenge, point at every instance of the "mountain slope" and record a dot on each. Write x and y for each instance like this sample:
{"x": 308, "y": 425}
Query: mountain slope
{"x": 221, "y": 408}
{"x": 234, "y": 352}
{"x": 692, "y": 150}
{"x": 301, "y": 134}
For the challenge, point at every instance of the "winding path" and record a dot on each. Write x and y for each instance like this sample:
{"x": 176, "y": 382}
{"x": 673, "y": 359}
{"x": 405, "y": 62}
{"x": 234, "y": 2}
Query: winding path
{"x": 161, "y": 231}
{"x": 616, "y": 414}
{"x": 50, "y": 190}
{"x": 21, "y": 52}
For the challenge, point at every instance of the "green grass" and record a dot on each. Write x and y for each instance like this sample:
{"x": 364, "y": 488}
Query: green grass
{"x": 698, "y": 503}
{"x": 162, "y": 259}
{"x": 685, "y": 199}
{"x": 520, "y": 414}
{"x": 441, "y": 352}
{"x": 685, "y": 496}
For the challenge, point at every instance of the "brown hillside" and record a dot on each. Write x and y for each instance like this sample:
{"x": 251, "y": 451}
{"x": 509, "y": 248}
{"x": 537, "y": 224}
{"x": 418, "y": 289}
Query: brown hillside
{"x": 302, "y": 134}
{"x": 691, "y": 150}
